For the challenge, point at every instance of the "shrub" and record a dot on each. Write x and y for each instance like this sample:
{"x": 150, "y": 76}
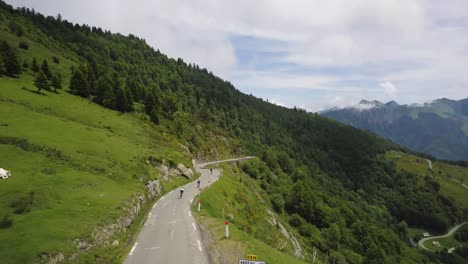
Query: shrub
{"x": 6, "y": 222}
{"x": 23, "y": 203}
{"x": 23, "y": 45}
{"x": 462, "y": 251}
{"x": 277, "y": 202}
{"x": 172, "y": 164}
{"x": 16, "y": 28}
{"x": 296, "y": 220}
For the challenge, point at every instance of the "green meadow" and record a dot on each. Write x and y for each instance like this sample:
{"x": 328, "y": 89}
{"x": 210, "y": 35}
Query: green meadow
{"x": 449, "y": 176}
{"x": 73, "y": 164}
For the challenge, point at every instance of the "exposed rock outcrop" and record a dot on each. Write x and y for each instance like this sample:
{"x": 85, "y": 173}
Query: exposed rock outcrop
{"x": 154, "y": 188}
{"x": 287, "y": 235}
{"x": 59, "y": 258}
{"x": 185, "y": 171}
{"x": 180, "y": 170}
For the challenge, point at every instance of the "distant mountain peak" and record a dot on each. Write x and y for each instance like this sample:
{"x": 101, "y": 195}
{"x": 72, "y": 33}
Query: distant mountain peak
{"x": 365, "y": 105}
{"x": 435, "y": 127}
{"x": 392, "y": 104}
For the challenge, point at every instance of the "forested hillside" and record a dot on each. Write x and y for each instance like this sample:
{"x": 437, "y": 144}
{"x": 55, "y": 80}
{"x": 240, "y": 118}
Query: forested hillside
{"x": 333, "y": 182}
{"x": 439, "y": 128}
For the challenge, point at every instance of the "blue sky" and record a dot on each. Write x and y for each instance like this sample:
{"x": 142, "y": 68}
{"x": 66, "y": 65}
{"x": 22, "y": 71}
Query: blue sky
{"x": 306, "y": 53}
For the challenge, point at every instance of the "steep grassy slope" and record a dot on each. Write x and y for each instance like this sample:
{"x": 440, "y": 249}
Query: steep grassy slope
{"x": 450, "y": 177}
{"x": 239, "y": 199}
{"x": 73, "y": 165}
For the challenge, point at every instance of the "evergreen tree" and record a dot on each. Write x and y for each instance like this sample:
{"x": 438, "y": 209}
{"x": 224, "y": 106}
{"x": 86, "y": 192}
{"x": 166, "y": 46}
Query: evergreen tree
{"x": 169, "y": 105}
{"x": 104, "y": 92}
{"x": 91, "y": 73}
{"x": 109, "y": 99}
{"x": 154, "y": 116}
{"x": 11, "y": 64}
{"x": 130, "y": 100}
{"x": 121, "y": 100}
{"x": 150, "y": 103}
{"x": 45, "y": 69}
{"x": 79, "y": 85}
{"x": 56, "y": 81}
{"x": 16, "y": 28}
{"x": 41, "y": 81}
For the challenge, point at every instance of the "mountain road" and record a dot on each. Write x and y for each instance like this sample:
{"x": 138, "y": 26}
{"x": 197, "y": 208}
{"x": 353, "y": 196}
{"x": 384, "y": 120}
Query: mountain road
{"x": 453, "y": 230}
{"x": 170, "y": 233}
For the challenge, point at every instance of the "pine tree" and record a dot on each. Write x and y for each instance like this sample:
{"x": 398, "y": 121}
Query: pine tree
{"x": 130, "y": 100}
{"x": 121, "y": 100}
{"x": 41, "y": 81}
{"x": 79, "y": 85}
{"x": 34, "y": 66}
{"x": 150, "y": 103}
{"x": 11, "y": 65}
{"x": 104, "y": 93}
{"x": 46, "y": 70}
{"x": 154, "y": 116}
{"x": 56, "y": 81}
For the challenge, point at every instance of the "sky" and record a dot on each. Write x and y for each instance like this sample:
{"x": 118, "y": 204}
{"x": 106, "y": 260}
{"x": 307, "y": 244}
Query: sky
{"x": 305, "y": 53}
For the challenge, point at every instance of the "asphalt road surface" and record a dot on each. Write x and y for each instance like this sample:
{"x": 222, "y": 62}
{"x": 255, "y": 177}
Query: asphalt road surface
{"x": 171, "y": 234}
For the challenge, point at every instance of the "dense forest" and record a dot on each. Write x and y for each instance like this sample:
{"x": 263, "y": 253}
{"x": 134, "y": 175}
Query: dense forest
{"x": 331, "y": 180}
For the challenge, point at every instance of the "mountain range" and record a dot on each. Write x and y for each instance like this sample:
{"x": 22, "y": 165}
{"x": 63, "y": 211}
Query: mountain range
{"x": 438, "y": 128}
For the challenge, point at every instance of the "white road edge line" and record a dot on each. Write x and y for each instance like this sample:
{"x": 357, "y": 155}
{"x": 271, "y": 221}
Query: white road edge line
{"x": 149, "y": 214}
{"x": 199, "y": 245}
{"x": 154, "y": 205}
{"x": 194, "y": 228}
{"x": 191, "y": 201}
{"x": 133, "y": 249}
{"x": 189, "y": 213}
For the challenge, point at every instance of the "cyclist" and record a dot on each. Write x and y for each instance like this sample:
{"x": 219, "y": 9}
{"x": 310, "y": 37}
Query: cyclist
{"x": 181, "y": 192}
{"x": 198, "y": 183}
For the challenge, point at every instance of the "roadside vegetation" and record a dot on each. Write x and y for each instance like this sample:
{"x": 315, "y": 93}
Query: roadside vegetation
{"x": 238, "y": 199}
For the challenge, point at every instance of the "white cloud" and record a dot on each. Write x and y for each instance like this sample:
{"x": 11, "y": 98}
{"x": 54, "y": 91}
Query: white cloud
{"x": 389, "y": 89}
{"x": 428, "y": 37}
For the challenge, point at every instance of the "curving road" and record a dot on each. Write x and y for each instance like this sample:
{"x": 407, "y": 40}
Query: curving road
{"x": 170, "y": 233}
{"x": 453, "y": 230}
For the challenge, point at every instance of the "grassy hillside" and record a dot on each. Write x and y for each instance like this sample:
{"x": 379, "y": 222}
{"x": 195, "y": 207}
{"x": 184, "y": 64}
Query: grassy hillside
{"x": 450, "y": 177}
{"x": 240, "y": 200}
{"x": 74, "y": 164}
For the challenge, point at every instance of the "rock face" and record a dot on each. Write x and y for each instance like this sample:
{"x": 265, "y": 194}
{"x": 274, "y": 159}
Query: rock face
{"x": 185, "y": 171}
{"x": 154, "y": 188}
{"x": 180, "y": 170}
{"x": 164, "y": 171}
{"x": 287, "y": 235}
{"x": 59, "y": 258}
